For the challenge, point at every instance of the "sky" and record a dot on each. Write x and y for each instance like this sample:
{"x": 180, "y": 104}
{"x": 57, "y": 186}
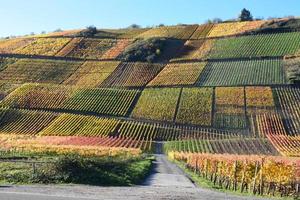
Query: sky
{"x": 20, "y": 17}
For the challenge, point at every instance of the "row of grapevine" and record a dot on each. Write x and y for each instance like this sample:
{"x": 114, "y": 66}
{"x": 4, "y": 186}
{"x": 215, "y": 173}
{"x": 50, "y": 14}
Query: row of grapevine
{"x": 278, "y": 44}
{"x": 44, "y": 46}
{"x": 79, "y": 125}
{"x": 113, "y": 52}
{"x": 242, "y": 72}
{"x": 165, "y": 132}
{"x": 253, "y": 174}
{"x": 267, "y": 124}
{"x": 178, "y": 74}
{"x": 10, "y": 45}
{"x": 202, "y": 31}
{"x": 6, "y": 88}
{"x": 230, "y": 108}
{"x": 92, "y": 73}
{"x": 38, "y": 96}
{"x": 195, "y": 106}
{"x": 222, "y": 107}
{"x": 157, "y": 104}
{"x": 62, "y": 124}
{"x": 132, "y": 75}
{"x": 90, "y": 48}
{"x": 38, "y": 70}
{"x": 166, "y": 31}
{"x": 69, "y": 47}
{"x": 243, "y": 146}
{"x": 4, "y": 62}
{"x": 60, "y": 97}
{"x": 61, "y": 145}
{"x": 101, "y": 101}
{"x": 288, "y": 99}
{"x": 24, "y": 122}
{"x": 286, "y": 145}
{"x": 233, "y": 28}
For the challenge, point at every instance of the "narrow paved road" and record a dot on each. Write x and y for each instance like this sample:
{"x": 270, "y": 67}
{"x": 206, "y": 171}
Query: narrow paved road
{"x": 166, "y": 182}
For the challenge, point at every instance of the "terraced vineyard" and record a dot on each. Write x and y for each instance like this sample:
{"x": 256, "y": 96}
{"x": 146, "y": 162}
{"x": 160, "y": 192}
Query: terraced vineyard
{"x": 132, "y": 75}
{"x": 178, "y": 74}
{"x": 230, "y": 108}
{"x": 38, "y": 70}
{"x": 231, "y": 146}
{"x": 43, "y": 46}
{"x": 92, "y": 48}
{"x": 101, "y": 101}
{"x": 278, "y": 44}
{"x": 92, "y": 73}
{"x": 242, "y": 72}
{"x": 157, "y": 104}
{"x": 195, "y": 106}
{"x": 217, "y": 96}
{"x": 78, "y": 125}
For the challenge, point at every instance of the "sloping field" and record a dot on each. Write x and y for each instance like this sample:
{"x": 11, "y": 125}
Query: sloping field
{"x": 92, "y": 73}
{"x": 78, "y": 125}
{"x": 92, "y": 48}
{"x": 178, "y": 74}
{"x": 23, "y": 121}
{"x": 38, "y": 70}
{"x": 278, "y": 44}
{"x": 132, "y": 74}
{"x": 195, "y": 106}
{"x": 43, "y": 46}
{"x": 157, "y": 104}
{"x": 233, "y": 28}
{"x": 242, "y": 72}
{"x": 9, "y": 46}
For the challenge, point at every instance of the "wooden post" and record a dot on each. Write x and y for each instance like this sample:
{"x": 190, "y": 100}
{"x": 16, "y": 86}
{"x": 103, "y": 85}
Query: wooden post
{"x": 254, "y": 180}
{"x": 235, "y": 176}
{"x": 261, "y": 189}
{"x": 33, "y": 167}
{"x": 243, "y": 177}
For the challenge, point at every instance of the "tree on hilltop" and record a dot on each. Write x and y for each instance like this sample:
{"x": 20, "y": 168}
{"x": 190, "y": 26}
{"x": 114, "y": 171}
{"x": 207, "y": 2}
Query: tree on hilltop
{"x": 245, "y": 15}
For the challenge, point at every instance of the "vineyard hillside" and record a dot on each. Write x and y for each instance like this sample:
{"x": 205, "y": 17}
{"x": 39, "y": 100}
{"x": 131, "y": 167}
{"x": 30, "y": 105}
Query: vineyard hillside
{"x": 222, "y": 98}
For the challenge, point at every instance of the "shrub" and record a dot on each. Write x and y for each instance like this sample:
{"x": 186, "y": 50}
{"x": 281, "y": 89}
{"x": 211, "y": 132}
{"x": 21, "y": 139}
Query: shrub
{"x": 144, "y": 50}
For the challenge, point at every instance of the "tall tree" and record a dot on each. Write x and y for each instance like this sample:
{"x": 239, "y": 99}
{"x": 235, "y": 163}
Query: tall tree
{"x": 245, "y": 15}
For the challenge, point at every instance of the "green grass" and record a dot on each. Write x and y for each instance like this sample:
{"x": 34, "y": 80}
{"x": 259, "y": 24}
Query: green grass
{"x": 256, "y": 46}
{"x": 250, "y": 72}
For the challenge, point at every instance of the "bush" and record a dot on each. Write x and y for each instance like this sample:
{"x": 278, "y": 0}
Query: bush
{"x": 148, "y": 50}
{"x": 90, "y": 31}
{"x": 106, "y": 171}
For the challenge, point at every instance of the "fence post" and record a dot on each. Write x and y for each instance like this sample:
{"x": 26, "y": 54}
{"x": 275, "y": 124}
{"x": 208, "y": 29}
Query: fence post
{"x": 235, "y": 176}
{"x": 261, "y": 177}
{"x": 33, "y": 167}
{"x": 254, "y": 180}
